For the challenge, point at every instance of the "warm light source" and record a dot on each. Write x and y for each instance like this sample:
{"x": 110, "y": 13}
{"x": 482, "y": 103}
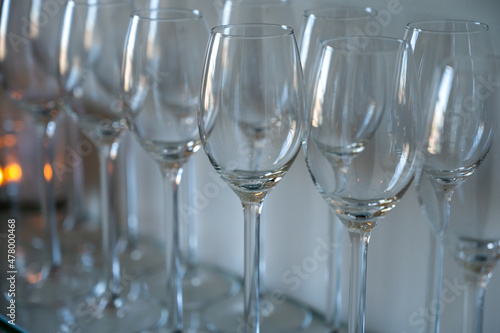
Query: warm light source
{"x": 47, "y": 172}
{"x": 12, "y": 173}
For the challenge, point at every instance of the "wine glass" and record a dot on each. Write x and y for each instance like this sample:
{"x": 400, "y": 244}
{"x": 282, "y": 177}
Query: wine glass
{"x": 28, "y": 65}
{"x": 318, "y": 25}
{"x": 462, "y": 142}
{"x": 290, "y": 314}
{"x": 251, "y": 125}
{"x": 433, "y": 41}
{"x": 362, "y": 149}
{"x": 90, "y": 56}
{"x": 161, "y": 77}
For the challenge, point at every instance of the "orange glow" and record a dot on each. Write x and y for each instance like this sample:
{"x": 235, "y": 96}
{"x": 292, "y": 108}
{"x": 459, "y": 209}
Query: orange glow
{"x": 18, "y": 125}
{"x": 12, "y": 173}
{"x": 47, "y": 172}
{"x": 34, "y": 278}
{"x": 9, "y": 140}
{"x": 1, "y": 177}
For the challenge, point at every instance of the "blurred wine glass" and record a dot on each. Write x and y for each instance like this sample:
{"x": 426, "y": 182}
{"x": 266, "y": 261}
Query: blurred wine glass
{"x": 362, "y": 150}
{"x": 463, "y": 144}
{"x": 251, "y": 125}
{"x": 434, "y": 41}
{"x": 90, "y": 56}
{"x": 29, "y": 33}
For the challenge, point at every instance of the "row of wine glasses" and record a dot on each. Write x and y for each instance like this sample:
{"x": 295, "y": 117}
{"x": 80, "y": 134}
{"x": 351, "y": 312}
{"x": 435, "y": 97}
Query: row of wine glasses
{"x": 359, "y": 135}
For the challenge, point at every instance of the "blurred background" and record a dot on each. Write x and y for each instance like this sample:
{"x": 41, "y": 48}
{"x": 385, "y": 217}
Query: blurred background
{"x": 295, "y": 217}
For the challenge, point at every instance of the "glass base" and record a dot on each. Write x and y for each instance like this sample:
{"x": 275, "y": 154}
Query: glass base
{"x": 58, "y": 288}
{"x": 126, "y": 315}
{"x": 142, "y": 258}
{"x": 41, "y": 319}
{"x": 201, "y": 286}
{"x": 278, "y": 314}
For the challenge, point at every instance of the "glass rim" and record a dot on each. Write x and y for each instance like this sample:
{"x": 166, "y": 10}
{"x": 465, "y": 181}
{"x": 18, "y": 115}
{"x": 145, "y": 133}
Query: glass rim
{"x": 94, "y": 3}
{"x": 418, "y": 26}
{"x": 281, "y": 30}
{"x": 142, "y": 14}
{"x": 401, "y": 44}
{"x": 318, "y": 12}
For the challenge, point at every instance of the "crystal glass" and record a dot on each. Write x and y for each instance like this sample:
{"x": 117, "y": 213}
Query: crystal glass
{"x": 90, "y": 56}
{"x": 28, "y": 65}
{"x": 433, "y": 41}
{"x": 461, "y": 146}
{"x": 161, "y": 78}
{"x": 252, "y": 123}
{"x": 318, "y": 25}
{"x": 362, "y": 149}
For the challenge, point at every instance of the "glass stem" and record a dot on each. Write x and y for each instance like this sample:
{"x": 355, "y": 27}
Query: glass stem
{"x": 192, "y": 239}
{"x": 46, "y": 131}
{"x": 334, "y": 294}
{"x": 357, "y": 289}
{"x": 172, "y": 179}
{"x": 436, "y": 261}
{"x": 252, "y": 211}
{"x": 111, "y": 265}
{"x": 131, "y": 176}
{"x": 474, "y": 302}
{"x": 434, "y": 282}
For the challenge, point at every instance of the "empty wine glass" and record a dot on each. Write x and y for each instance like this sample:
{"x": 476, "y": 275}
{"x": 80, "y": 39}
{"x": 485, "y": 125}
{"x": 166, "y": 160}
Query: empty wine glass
{"x": 433, "y": 41}
{"x": 251, "y": 125}
{"x": 29, "y": 33}
{"x": 318, "y": 25}
{"x": 362, "y": 149}
{"x": 461, "y": 146}
{"x": 161, "y": 77}
{"x": 90, "y": 56}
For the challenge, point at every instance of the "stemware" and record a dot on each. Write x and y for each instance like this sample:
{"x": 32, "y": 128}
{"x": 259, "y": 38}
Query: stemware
{"x": 433, "y": 41}
{"x": 318, "y": 25}
{"x": 90, "y": 56}
{"x": 161, "y": 77}
{"x": 28, "y": 64}
{"x": 251, "y": 125}
{"x": 461, "y": 146}
{"x": 289, "y": 314}
{"x": 362, "y": 150}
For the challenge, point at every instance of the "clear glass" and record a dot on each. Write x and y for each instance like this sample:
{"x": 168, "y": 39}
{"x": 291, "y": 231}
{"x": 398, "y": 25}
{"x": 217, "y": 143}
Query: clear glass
{"x": 434, "y": 41}
{"x": 318, "y": 25}
{"x": 161, "y": 76}
{"x": 362, "y": 151}
{"x": 462, "y": 144}
{"x": 252, "y": 123}
{"x": 289, "y": 315}
{"x": 28, "y": 63}
{"x": 92, "y": 40}
{"x": 202, "y": 283}
{"x": 322, "y": 23}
